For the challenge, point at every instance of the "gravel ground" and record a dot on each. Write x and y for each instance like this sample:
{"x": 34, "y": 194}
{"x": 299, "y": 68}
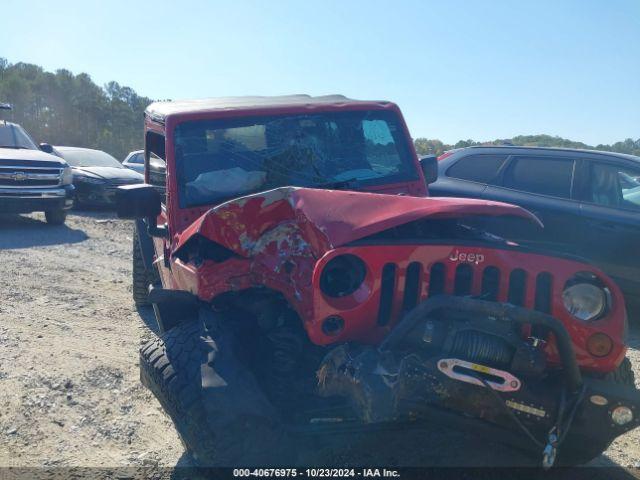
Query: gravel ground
{"x": 69, "y": 339}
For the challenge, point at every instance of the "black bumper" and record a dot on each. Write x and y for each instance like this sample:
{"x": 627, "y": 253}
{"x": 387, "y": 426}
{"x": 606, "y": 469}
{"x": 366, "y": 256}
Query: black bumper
{"x": 36, "y": 200}
{"x": 408, "y": 378}
{"x": 98, "y": 195}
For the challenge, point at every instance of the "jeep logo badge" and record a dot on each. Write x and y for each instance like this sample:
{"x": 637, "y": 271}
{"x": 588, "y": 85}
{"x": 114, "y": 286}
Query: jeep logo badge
{"x": 466, "y": 257}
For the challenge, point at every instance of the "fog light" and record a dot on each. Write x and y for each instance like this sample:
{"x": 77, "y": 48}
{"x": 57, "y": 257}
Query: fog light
{"x": 621, "y": 415}
{"x": 332, "y": 326}
{"x": 599, "y": 400}
{"x": 599, "y": 345}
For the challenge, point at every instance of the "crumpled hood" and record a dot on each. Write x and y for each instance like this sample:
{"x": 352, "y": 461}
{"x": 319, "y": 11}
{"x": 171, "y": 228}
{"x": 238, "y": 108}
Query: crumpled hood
{"x": 326, "y": 218}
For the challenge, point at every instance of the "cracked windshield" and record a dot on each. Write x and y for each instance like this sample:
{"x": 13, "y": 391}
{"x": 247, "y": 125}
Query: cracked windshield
{"x": 218, "y": 160}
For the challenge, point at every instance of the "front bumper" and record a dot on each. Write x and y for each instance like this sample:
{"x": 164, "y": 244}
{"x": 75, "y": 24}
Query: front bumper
{"x": 26, "y": 200}
{"x": 409, "y": 378}
{"x": 96, "y": 195}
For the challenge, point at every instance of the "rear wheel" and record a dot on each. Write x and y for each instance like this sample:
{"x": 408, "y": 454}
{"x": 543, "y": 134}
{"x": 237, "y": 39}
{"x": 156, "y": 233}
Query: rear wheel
{"x": 55, "y": 217}
{"x": 222, "y": 416}
{"x": 142, "y": 277}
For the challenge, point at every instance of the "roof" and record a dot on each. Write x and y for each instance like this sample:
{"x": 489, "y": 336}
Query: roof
{"x": 625, "y": 156}
{"x": 160, "y": 110}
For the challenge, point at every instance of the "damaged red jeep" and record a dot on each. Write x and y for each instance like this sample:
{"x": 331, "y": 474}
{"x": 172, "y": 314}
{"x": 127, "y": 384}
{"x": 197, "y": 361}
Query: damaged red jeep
{"x": 302, "y": 279}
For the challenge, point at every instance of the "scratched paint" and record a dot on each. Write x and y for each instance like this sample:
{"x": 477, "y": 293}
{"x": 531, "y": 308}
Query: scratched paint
{"x": 284, "y": 237}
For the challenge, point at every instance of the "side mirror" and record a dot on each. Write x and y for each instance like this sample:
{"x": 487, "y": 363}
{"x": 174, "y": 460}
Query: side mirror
{"x": 429, "y": 165}
{"x": 157, "y": 170}
{"x": 46, "y": 148}
{"x": 140, "y": 201}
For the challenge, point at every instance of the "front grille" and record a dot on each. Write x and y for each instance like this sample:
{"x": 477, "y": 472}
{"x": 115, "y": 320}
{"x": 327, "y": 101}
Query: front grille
{"x": 111, "y": 187}
{"x": 16, "y": 176}
{"x": 387, "y": 291}
{"x": 484, "y": 282}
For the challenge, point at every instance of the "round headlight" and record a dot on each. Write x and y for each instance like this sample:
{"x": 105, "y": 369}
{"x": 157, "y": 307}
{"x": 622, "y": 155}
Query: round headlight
{"x": 585, "y": 301}
{"x": 342, "y": 276}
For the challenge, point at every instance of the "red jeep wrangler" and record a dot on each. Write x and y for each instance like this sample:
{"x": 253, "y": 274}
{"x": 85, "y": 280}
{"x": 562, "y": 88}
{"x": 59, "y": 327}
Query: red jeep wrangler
{"x": 301, "y": 279}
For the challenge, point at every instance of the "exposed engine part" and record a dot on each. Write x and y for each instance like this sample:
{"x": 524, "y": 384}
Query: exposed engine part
{"x": 274, "y": 344}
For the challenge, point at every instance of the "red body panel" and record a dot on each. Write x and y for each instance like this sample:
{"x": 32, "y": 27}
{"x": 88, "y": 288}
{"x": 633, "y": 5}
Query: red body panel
{"x": 327, "y": 218}
{"x": 360, "y": 312}
{"x": 283, "y": 238}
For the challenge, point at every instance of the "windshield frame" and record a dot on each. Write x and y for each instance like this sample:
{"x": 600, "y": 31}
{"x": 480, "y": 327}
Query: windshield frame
{"x": 399, "y": 135}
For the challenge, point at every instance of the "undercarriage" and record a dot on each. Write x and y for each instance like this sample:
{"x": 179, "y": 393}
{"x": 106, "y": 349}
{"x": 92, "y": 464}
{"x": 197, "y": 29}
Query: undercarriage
{"x": 469, "y": 364}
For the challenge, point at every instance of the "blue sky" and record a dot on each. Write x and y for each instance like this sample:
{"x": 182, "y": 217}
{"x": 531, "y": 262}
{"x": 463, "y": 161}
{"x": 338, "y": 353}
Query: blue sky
{"x": 480, "y": 69}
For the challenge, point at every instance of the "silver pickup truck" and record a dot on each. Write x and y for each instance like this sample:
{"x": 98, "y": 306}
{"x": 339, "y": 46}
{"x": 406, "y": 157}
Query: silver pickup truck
{"x": 31, "y": 179}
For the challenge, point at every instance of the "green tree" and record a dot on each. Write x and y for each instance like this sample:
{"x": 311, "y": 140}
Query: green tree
{"x": 66, "y": 109}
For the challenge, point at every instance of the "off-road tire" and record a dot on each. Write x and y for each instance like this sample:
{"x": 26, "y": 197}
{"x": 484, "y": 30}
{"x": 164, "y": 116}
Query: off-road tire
{"x": 141, "y": 276}
{"x": 211, "y": 432}
{"x": 581, "y": 454}
{"x": 55, "y": 217}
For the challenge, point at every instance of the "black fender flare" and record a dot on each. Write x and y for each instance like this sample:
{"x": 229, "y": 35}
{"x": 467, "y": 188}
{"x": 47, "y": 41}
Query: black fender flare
{"x": 145, "y": 243}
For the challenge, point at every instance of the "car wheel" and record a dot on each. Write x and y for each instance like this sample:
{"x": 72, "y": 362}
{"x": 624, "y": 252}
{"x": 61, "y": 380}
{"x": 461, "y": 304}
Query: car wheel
{"x": 223, "y": 419}
{"x": 55, "y": 217}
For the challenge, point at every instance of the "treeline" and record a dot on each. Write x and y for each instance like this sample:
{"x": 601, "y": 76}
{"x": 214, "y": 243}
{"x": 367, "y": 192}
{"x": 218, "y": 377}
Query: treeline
{"x": 425, "y": 146}
{"x": 66, "y": 109}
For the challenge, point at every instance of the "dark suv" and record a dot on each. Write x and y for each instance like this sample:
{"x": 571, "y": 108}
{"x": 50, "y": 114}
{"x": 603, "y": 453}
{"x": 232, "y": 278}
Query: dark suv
{"x": 589, "y": 201}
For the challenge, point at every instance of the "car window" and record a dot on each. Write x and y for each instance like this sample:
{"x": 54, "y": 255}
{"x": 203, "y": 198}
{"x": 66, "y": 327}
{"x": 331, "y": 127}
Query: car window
{"x": 614, "y": 186}
{"x": 137, "y": 158}
{"x": 477, "y": 168}
{"x": 551, "y": 176}
{"x": 13, "y": 136}
{"x": 226, "y": 158}
{"x": 380, "y": 148}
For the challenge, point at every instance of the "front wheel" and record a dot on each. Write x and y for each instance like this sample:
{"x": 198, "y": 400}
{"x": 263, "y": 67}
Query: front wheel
{"x": 55, "y": 217}
{"x": 220, "y": 413}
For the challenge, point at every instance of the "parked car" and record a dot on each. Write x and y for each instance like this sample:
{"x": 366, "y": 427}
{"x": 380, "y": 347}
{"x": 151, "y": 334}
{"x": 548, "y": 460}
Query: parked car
{"x": 135, "y": 161}
{"x": 303, "y": 280}
{"x": 31, "y": 179}
{"x": 589, "y": 201}
{"x": 96, "y": 175}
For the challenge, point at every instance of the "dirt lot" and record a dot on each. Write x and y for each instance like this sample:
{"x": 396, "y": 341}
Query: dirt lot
{"x": 69, "y": 339}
